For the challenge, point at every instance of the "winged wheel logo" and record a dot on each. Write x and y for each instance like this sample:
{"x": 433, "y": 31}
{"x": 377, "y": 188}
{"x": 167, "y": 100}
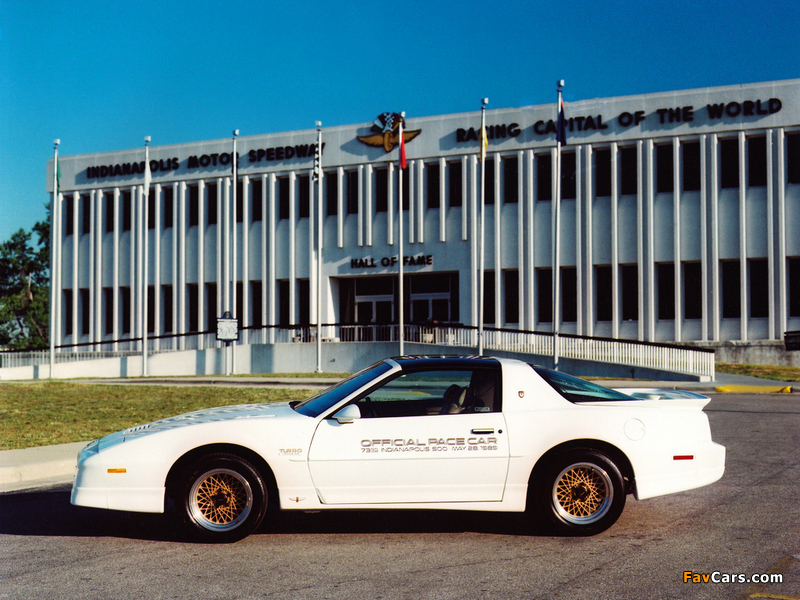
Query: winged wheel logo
{"x": 386, "y": 134}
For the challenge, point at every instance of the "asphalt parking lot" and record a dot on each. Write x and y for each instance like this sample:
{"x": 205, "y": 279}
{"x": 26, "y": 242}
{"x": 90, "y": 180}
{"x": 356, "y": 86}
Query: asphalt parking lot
{"x": 705, "y": 543}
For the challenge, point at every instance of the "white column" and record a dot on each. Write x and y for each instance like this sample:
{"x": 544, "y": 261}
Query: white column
{"x": 771, "y": 234}
{"x": 783, "y": 309}
{"x": 588, "y": 262}
{"x": 713, "y": 272}
{"x": 677, "y": 240}
{"x": 744, "y": 316}
{"x": 529, "y": 311}
{"x": 616, "y": 309}
{"x": 442, "y": 200}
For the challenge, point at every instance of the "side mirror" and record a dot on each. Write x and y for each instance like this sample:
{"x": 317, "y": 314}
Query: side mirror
{"x": 348, "y": 414}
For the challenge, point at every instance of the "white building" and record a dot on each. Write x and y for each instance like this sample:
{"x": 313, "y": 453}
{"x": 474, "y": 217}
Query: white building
{"x": 680, "y": 222}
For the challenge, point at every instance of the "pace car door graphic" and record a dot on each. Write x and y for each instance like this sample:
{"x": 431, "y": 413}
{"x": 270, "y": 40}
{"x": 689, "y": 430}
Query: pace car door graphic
{"x": 431, "y": 455}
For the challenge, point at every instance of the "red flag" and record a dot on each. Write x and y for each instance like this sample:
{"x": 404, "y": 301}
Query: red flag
{"x": 402, "y": 148}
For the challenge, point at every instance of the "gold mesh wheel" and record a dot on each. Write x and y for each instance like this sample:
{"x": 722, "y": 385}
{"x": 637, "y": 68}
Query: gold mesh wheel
{"x": 220, "y": 500}
{"x": 582, "y": 493}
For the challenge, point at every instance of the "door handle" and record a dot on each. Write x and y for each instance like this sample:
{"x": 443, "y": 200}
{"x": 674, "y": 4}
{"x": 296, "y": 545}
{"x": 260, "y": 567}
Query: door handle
{"x": 482, "y": 431}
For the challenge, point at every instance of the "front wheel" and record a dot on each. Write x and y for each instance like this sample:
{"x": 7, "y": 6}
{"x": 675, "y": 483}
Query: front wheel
{"x": 581, "y": 492}
{"x": 221, "y": 498}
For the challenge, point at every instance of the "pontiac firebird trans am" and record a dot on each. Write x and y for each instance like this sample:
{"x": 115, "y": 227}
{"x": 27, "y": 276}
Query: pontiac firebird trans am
{"x": 457, "y": 433}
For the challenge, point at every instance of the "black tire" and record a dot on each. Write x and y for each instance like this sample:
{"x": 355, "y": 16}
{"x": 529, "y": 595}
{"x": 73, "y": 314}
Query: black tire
{"x": 220, "y": 498}
{"x": 580, "y": 492}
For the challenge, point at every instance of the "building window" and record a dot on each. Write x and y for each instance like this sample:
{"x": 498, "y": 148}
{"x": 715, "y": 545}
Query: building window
{"x": 125, "y": 310}
{"x": 569, "y": 294}
{"x": 67, "y": 312}
{"x": 793, "y": 268}
{"x": 304, "y": 195}
{"x": 351, "y": 193}
{"x": 664, "y": 169}
{"x": 283, "y": 197}
{"x": 628, "y": 176}
{"x": 665, "y": 274}
{"x": 193, "y": 201}
{"x": 691, "y": 166}
{"x": 283, "y": 303}
{"x": 511, "y": 295}
{"x": 257, "y": 189}
{"x": 630, "y": 292}
{"x": 544, "y": 294}
{"x": 406, "y": 187}
{"x": 693, "y": 290}
{"x": 239, "y": 308}
{"x": 510, "y": 181}
{"x": 211, "y": 307}
{"x": 488, "y": 297}
{"x": 757, "y": 161}
{"x": 211, "y": 204}
{"x": 166, "y": 306}
{"x": 256, "y": 304}
{"x": 304, "y": 299}
{"x": 434, "y": 179}
{"x": 193, "y": 306}
{"x": 569, "y": 184}
{"x": 544, "y": 177}
{"x": 85, "y": 311}
{"x": 86, "y": 213}
{"x": 381, "y": 190}
{"x": 759, "y": 288}
{"x": 729, "y": 162}
{"x": 239, "y": 201}
{"x": 69, "y": 215}
{"x": 488, "y": 182}
{"x": 454, "y": 172}
{"x": 604, "y": 297}
{"x": 332, "y": 196}
{"x": 108, "y": 207}
{"x": 731, "y": 288}
{"x": 151, "y": 309}
{"x": 168, "y": 206}
{"x": 793, "y": 158}
{"x": 602, "y": 173}
{"x": 108, "y": 313}
{"x": 152, "y": 199}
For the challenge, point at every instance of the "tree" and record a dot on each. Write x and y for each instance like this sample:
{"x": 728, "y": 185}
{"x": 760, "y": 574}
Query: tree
{"x": 25, "y": 290}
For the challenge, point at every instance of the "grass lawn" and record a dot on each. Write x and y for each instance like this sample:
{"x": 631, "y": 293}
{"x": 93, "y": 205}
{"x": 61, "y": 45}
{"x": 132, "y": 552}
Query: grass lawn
{"x": 763, "y": 371}
{"x": 44, "y": 413}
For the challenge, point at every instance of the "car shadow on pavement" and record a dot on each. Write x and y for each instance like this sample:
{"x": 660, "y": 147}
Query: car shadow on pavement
{"x": 48, "y": 512}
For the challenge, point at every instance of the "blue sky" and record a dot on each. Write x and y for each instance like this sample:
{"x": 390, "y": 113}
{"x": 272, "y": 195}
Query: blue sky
{"x": 101, "y": 75}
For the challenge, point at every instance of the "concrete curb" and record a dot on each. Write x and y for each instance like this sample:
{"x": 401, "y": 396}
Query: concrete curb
{"x": 34, "y": 467}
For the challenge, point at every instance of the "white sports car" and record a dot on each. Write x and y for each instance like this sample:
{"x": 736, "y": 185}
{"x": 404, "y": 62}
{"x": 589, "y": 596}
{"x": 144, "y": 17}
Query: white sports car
{"x": 457, "y": 433}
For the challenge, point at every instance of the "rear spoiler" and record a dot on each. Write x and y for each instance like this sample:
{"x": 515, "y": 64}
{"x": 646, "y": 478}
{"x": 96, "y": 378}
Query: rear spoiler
{"x": 661, "y": 394}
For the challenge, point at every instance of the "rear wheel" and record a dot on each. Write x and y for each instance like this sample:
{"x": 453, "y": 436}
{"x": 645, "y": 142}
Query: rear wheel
{"x": 220, "y": 498}
{"x": 581, "y": 492}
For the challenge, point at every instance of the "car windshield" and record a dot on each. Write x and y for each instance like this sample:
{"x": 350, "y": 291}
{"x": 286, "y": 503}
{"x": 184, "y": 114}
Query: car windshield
{"x": 578, "y": 390}
{"x": 316, "y": 405}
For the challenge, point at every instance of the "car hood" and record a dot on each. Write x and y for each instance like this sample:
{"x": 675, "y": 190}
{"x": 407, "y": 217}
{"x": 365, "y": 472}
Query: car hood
{"x": 199, "y": 417}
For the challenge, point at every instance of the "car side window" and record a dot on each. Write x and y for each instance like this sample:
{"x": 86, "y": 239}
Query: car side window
{"x": 433, "y": 393}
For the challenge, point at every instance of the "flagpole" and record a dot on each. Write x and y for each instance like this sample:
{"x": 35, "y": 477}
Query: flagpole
{"x": 318, "y": 180}
{"x": 232, "y": 267}
{"x": 557, "y": 228}
{"x": 145, "y": 201}
{"x": 54, "y": 244}
{"x": 400, "y": 228}
{"x": 483, "y": 143}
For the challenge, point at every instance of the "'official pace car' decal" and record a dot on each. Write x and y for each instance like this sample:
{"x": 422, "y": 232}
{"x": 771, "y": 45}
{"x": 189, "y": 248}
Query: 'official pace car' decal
{"x": 454, "y": 444}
